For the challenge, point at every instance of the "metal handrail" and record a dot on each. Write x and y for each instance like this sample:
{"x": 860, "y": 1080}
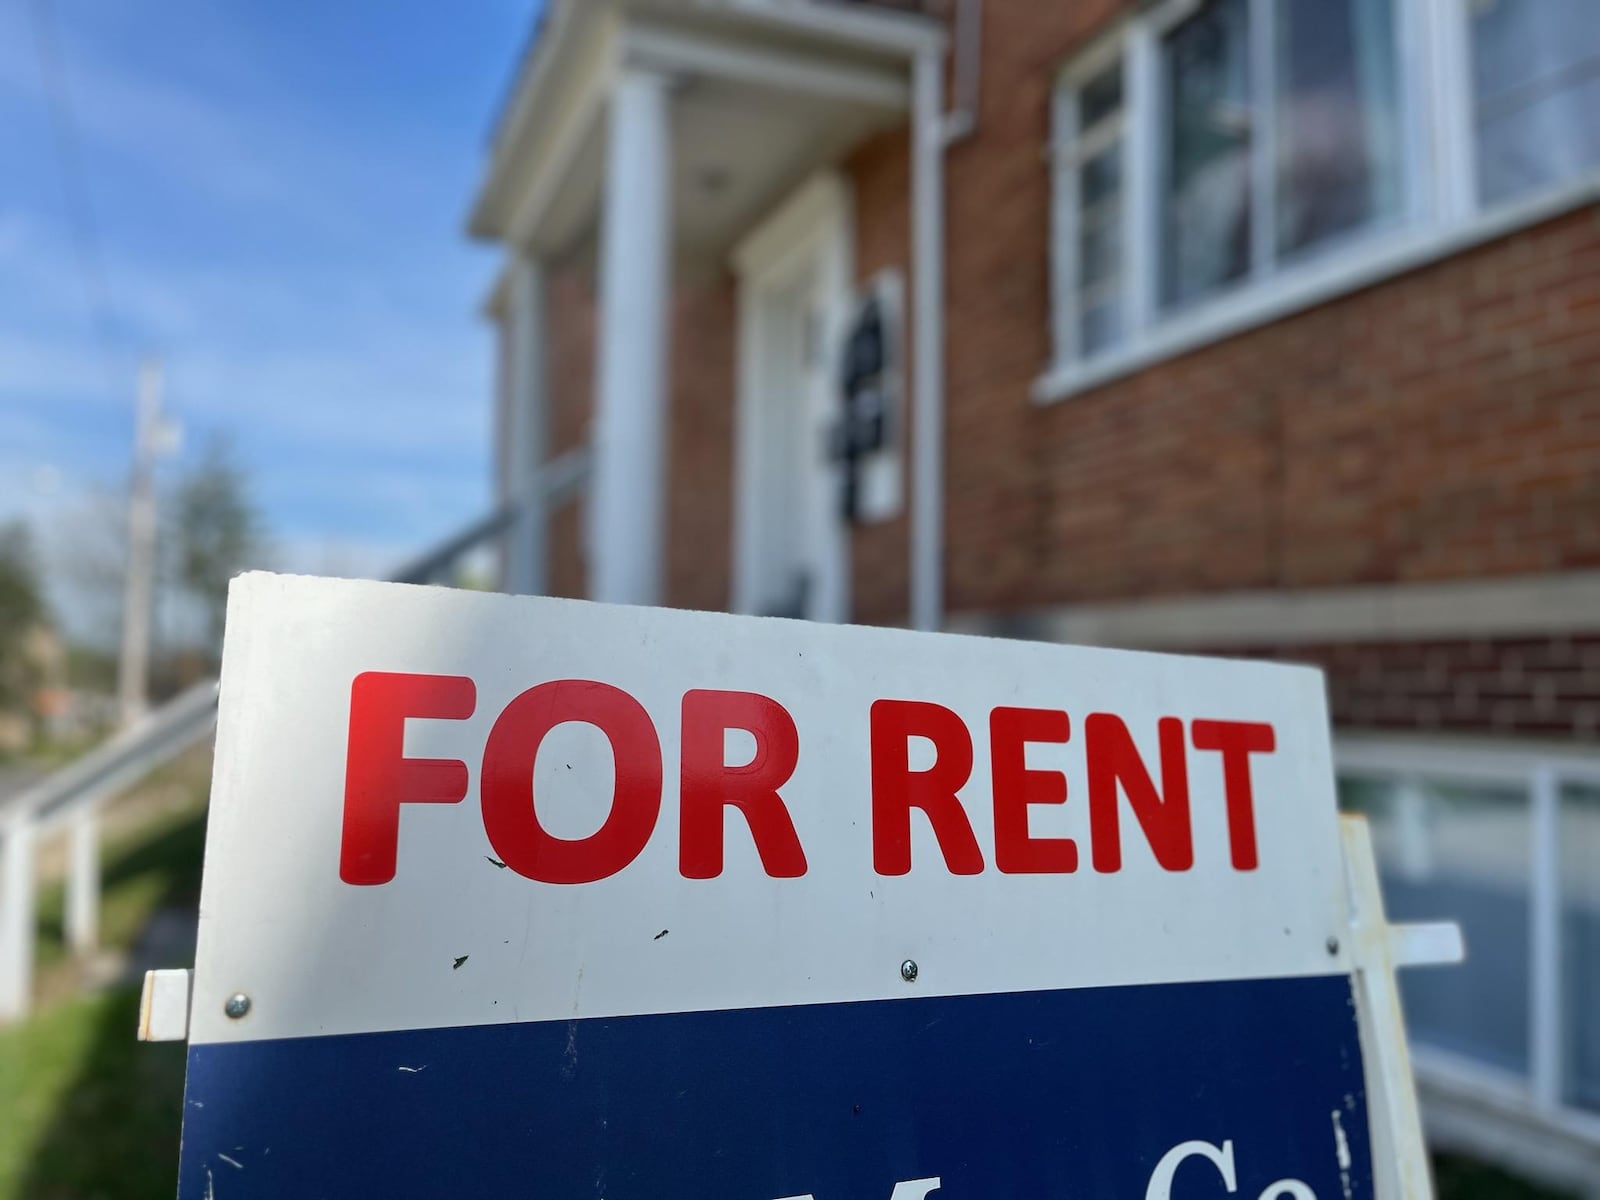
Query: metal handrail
{"x": 156, "y": 738}
{"x": 558, "y": 480}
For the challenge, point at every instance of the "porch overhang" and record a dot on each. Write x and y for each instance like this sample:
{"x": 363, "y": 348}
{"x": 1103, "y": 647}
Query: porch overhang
{"x": 763, "y": 92}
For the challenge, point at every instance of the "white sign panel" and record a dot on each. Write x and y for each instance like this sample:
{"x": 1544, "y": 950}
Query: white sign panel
{"x": 570, "y": 889}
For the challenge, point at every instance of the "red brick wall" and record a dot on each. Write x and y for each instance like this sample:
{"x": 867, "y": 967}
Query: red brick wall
{"x": 700, "y": 452}
{"x": 704, "y": 350}
{"x": 1546, "y": 686}
{"x": 569, "y": 328}
{"x": 999, "y": 538}
{"x": 570, "y": 332}
{"x": 1442, "y": 425}
{"x": 880, "y": 555}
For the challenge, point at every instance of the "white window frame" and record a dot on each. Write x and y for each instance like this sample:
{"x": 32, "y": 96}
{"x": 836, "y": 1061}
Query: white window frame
{"x": 1441, "y": 213}
{"x": 1069, "y": 151}
{"x": 1540, "y": 773}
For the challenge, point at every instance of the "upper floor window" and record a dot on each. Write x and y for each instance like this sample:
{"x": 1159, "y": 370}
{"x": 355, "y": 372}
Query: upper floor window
{"x": 1211, "y": 152}
{"x": 1091, "y": 173}
{"x": 1272, "y": 141}
{"x": 1535, "y": 93}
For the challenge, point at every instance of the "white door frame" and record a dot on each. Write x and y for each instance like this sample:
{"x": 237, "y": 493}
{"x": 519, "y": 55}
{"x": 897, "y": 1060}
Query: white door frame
{"x": 808, "y": 234}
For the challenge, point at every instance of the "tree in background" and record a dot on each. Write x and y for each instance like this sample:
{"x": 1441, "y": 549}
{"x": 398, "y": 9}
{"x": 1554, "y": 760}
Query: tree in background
{"x": 21, "y": 612}
{"x": 216, "y": 534}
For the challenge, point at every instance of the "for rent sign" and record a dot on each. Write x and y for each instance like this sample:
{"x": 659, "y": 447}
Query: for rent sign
{"x": 540, "y": 898}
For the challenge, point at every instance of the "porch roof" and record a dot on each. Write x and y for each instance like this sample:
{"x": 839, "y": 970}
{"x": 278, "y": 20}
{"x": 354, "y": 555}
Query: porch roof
{"x": 763, "y": 92}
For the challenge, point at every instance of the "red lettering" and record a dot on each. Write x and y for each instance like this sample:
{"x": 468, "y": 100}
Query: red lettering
{"x": 1016, "y": 787}
{"x": 1113, "y": 759}
{"x": 378, "y": 778}
{"x": 1237, "y": 741}
{"x": 897, "y": 789}
{"x": 510, "y": 810}
{"x": 708, "y": 784}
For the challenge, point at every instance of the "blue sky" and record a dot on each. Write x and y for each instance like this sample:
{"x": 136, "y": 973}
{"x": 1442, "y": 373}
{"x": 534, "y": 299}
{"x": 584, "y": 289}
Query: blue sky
{"x": 279, "y": 188}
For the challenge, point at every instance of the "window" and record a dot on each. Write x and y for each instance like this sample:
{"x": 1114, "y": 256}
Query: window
{"x": 1214, "y": 156}
{"x": 1300, "y": 140}
{"x": 1337, "y": 158}
{"x": 1461, "y": 853}
{"x": 1535, "y": 93}
{"x": 1507, "y": 843}
{"x": 1210, "y": 125}
{"x": 1091, "y": 164}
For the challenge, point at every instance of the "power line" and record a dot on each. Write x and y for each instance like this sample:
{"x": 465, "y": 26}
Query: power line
{"x": 75, "y": 188}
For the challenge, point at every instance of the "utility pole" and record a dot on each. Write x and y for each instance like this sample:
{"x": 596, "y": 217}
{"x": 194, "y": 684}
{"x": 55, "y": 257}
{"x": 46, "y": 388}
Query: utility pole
{"x": 151, "y": 435}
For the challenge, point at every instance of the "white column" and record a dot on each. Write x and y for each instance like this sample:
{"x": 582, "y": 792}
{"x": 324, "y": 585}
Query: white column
{"x": 83, "y": 882}
{"x": 16, "y": 919}
{"x": 628, "y": 491}
{"x": 526, "y": 555}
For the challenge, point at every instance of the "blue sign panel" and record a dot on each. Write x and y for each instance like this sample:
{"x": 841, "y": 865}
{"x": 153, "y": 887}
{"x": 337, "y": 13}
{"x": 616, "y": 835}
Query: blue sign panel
{"x": 1251, "y": 1088}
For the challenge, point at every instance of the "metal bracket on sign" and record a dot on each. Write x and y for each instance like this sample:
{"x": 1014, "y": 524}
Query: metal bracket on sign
{"x": 1376, "y": 948}
{"x": 164, "y": 1006}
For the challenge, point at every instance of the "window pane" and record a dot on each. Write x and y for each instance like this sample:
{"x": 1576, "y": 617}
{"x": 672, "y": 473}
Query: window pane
{"x": 1100, "y": 97}
{"x": 1536, "y": 85}
{"x": 1206, "y": 178}
{"x": 1102, "y": 176}
{"x": 1580, "y": 942}
{"x": 1098, "y": 230}
{"x": 1338, "y": 121}
{"x": 1461, "y": 854}
{"x": 1099, "y": 252}
{"x": 1101, "y": 326}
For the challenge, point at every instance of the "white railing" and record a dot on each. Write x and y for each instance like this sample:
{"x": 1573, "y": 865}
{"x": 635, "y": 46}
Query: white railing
{"x": 1520, "y": 820}
{"x": 72, "y": 797}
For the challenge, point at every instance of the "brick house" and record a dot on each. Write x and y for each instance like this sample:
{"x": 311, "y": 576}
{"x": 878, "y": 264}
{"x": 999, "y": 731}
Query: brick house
{"x": 1251, "y": 327}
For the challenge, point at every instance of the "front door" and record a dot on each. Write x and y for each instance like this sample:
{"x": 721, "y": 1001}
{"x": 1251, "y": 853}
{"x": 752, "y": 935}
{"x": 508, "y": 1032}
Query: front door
{"x": 791, "y": 549}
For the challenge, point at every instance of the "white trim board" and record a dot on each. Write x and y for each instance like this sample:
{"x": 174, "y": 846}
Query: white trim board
{"x": 660, "y": 48}
{"x": 809, "y": 212}
{"x": 1517, "y": 606}
{"x": 581, "y": 43}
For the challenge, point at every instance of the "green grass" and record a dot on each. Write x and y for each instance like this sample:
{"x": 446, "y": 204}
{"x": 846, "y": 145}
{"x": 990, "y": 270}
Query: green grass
{"x": 86, "y": 1111}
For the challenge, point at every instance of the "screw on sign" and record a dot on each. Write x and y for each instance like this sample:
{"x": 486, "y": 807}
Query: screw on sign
{"x": 949, "y": 917}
